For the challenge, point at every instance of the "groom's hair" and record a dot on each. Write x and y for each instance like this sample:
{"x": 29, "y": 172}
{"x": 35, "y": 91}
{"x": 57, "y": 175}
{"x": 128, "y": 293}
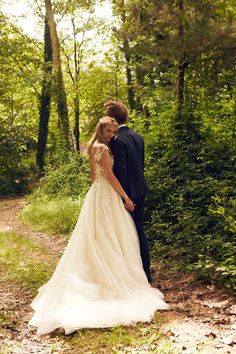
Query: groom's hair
{"x": 117, "y": 110}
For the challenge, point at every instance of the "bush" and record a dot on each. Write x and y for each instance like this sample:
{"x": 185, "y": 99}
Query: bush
{"x": 218, "y": 252}
{"x": 69, "y": 179}
{"x": 186, "y": 174}
{"x": 16, "y": 175}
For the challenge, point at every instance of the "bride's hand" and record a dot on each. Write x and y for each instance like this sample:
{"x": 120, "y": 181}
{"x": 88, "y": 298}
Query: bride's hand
{"x": 129, "y": 205}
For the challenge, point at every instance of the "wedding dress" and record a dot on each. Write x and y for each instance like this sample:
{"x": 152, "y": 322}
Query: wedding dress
{"x": 99, "y": 280}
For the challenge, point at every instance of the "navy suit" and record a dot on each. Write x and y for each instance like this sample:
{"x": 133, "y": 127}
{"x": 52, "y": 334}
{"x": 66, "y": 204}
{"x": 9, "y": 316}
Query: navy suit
{"x": 128, "y": 151}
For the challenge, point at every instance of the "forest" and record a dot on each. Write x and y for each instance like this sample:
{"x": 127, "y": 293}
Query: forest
{"x": 172, "y": 62}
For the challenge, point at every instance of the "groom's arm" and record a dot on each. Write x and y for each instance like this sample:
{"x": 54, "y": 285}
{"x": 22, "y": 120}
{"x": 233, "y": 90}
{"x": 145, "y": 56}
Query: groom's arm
{"x": 120, "y": 162}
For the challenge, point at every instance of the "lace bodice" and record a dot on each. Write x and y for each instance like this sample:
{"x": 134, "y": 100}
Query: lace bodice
{"x": 97, "y": 152}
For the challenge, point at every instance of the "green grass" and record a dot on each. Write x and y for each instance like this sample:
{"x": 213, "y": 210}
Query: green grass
{"x": 56, "y": 216}
{"x": 20, "y": 261}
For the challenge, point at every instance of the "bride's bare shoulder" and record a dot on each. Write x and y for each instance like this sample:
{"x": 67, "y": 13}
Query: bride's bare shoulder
{"x": 99, "y": 146}
{"x": 98, "y": 149}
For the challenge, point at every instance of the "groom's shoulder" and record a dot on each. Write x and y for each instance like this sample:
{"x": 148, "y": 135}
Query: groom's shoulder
{"x": 126, "y": 136}
{"x": 117, "y": 141}
{"x": 127, "y": 131}
{"x": 135, "y": 134}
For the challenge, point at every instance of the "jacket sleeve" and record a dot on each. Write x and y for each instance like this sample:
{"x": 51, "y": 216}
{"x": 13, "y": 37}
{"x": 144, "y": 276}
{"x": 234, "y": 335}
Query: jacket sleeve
{"x": 120, "y": 162}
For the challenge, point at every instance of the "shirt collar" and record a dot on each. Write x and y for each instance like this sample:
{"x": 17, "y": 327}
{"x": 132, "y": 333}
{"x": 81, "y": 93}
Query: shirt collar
{"x": 121, "y": 125}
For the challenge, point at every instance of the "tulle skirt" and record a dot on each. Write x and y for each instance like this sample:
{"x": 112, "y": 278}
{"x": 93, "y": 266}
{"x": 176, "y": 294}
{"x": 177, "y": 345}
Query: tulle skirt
{"x": 99, "y": 280}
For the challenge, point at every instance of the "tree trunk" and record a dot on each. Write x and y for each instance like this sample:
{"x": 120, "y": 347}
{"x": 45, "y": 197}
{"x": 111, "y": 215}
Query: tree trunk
{"x": 126, "y": 50}
{"x": 76, "y": 95}
{"x": 60, "y": 90}
{"x": 76, "y": 128}
{"x": 181, "y": 67}
{"x": 45, "y": 99}
{"x": 180, "y": 87}
{"x": 116, "y": 86}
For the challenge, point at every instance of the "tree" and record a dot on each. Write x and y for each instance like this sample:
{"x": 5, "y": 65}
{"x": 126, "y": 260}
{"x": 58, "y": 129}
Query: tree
{"x": 122, "y": 35}
{"x": 45, "y": 99}
{"x": 181, "y": 64}
{"x": 58, "y": 75}
{"x": 166, "y": 38}
{"x": 75, "y": 68}
{"x": 19, "y": 95}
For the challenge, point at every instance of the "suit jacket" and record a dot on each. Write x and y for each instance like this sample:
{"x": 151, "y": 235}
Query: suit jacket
{"x": 128, "y": 152}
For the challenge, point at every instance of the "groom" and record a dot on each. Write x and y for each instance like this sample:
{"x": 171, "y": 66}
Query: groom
{"x": 128, "y": 151}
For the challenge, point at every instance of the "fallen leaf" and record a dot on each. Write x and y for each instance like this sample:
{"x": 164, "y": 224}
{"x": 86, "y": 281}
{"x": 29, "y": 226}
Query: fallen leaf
{"x": 169, "y": 334}
{"x": 211, "y": 334}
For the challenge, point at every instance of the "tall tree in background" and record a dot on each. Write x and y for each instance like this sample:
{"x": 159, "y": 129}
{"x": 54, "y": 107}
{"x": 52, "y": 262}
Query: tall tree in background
{"x": 123, "y": 36}
{"x": 74, "y": 60}
{"x": 74, "y": 70}
{"x": 45, "y": 100}
{"x": 80, "y": 14}
{"x": 181, "y": 64}
{"x": 76, "y": 78}
{"x": 127, "y": 54}
{"x": 59, "y": 83}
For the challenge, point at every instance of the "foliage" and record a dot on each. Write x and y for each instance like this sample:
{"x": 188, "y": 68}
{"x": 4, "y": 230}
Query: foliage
{"x": 190, "y": 156}
{"x": 98, "y": 83}
{"x": 16, "y": 172}
{"x": 192, "y": 171}
{"x": 20, "y": 79}
{"x": 18, "y": 107}
{"x": 70, "y": 178}
{"x": 155, "y": 46}
{"x": 217, "y": 259}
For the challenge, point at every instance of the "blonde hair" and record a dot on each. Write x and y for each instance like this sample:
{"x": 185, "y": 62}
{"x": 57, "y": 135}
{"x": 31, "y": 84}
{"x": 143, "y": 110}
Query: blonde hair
{"x": 98, "y": 136}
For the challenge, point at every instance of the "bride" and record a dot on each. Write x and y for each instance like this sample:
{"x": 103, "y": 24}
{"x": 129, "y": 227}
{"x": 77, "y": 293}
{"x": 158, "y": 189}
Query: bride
{"x": 99, "y": 280}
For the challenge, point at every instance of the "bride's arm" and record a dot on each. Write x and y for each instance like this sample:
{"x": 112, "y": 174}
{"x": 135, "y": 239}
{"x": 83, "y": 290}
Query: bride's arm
{"x": 106, "y": 165}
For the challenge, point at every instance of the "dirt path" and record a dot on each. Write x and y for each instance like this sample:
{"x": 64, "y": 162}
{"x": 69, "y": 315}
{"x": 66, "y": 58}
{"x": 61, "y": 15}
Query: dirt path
{"x": 9, "y": 221}
{"x": 202, "y": 318}
{"x": 15, "y": 336}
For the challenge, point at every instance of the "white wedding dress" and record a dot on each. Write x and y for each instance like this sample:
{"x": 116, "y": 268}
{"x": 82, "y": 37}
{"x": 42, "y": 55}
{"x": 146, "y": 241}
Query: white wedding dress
{"x": 99, "y": 280}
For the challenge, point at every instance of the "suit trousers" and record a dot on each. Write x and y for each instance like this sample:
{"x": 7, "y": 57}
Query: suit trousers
{"x": 138, "y": 215}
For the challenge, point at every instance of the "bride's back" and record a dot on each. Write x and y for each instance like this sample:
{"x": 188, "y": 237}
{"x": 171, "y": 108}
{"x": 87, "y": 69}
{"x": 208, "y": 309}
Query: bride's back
{"x": 95, "y": 158}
